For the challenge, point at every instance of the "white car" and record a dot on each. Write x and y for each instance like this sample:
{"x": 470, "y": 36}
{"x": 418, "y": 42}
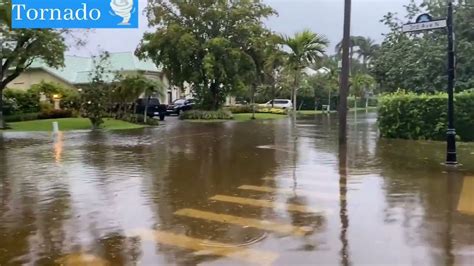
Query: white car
{"x": 279, "y": 103}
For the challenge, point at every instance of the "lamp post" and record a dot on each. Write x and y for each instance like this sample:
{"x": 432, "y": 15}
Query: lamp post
{"x": 426, "y": 22}
{"x": 57, "y": 100}
{"x": 451, "y": 157}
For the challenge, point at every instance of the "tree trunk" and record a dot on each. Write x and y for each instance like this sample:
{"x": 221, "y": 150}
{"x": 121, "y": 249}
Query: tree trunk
{"x": 253, "y": 100}
{"x": 147, "y": 102}
{"x": 2, "y": 122}
{"x": 273, "y": 94}
{"x": 366, "y": 103}
{"x": 350, "y": 59}
{"x": 295, "y": 91}
{"x": 329, "y": 102}
{"x": 215, "y": 96}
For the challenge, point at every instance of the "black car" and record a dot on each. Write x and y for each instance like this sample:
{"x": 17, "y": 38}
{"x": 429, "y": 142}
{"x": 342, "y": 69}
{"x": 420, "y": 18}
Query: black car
{"x": 155, "y": 108}
{"x": 179, "y": 106}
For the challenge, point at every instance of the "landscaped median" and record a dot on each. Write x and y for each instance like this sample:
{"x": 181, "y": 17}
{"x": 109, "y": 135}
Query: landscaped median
{"x": 69, "y": 124}
{"x": 227, "y": 115}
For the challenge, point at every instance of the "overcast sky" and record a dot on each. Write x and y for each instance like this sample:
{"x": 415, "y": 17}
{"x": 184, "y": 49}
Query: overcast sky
{"x": 321, "y": 16}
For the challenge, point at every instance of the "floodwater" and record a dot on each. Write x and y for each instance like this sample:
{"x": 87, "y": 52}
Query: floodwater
{"x": 234, "y": 193}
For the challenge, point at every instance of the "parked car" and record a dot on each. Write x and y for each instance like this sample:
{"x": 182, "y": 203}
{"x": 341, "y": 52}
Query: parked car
{"x": 155, "y": 108}
{"x": 181, "y": 105}
{"x": 278, "y": 103}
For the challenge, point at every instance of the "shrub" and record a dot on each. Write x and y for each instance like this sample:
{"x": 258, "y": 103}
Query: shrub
{"x": 245, "y": 109}
{"x": 21, "y": 117}
{"x": 46, "y": 107}
{"x": 21, "y": 101}
{"x": 412, "y": 116}
{"x": 55, "y": 114}
{"x": 277, "y": 111}
{"x": 239, "y": 109}
{"x": 206, "y": 115}
{"x": 140, "y": 119}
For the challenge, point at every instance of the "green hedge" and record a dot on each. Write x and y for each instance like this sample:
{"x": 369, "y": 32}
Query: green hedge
{"x": 21, "y": 117}
{"x": 21, "y": 102}
{"x": 206, "y": 115}
{"x": 414, "y": 116}
{"x": 239, "y": 109}
{"x": 51, "y": 114}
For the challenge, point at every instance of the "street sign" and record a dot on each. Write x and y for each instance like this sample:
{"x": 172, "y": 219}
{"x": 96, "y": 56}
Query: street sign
{"x": 430, "y": 25}
{"x": 424, "y": 18}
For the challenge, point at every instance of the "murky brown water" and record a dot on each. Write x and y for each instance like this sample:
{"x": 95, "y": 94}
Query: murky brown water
{"x": 234, "y": 193}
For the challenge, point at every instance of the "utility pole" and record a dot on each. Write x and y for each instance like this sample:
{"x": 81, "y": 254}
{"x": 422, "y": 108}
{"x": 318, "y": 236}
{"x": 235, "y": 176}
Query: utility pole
{"x": 451, "y": 157}
{"x": 344, "y": 89}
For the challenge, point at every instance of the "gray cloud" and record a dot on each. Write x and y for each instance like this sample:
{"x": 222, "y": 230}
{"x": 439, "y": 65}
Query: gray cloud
{"x": 321, "y": 16}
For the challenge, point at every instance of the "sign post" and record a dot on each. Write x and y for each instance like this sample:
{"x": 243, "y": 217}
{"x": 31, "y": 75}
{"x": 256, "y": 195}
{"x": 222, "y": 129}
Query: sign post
{"x": 451, "y": 157}
{"x": 426, "y": 22}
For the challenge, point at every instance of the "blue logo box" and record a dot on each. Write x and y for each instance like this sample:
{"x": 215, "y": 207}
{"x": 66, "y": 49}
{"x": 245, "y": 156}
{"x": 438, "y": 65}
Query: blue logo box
{"x": 74, "y": 14}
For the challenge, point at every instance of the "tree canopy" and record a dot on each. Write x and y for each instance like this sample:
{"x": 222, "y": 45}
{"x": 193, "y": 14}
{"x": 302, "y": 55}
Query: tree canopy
{"x": 418, "y": 61}
{"x": 206, "y": 44}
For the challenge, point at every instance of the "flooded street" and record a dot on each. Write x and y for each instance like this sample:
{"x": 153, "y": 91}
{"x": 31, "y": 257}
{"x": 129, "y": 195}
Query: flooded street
{"x": 263, "y": 192}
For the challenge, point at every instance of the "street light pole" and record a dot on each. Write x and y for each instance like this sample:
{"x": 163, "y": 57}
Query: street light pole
{"x": 451, "y": 157}
{"x": 344, "y": 89}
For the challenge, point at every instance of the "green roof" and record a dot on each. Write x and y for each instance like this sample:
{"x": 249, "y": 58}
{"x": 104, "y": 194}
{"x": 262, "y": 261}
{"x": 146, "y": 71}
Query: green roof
{"x": 77, "y": 69}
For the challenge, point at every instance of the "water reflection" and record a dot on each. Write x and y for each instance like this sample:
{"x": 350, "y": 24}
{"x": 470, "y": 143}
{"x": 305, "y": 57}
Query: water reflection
{"x": 229, "y": 193}
{"x": 343, "y": 212}
{"x": 58, "y": 146}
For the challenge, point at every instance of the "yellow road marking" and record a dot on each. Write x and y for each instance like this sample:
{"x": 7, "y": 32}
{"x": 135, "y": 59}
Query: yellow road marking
{"x": 207, "y": 247}
{"x": 290, "y": 191}
{"x": 255, "y": 223}
{"x": 265, "y": 204}
{"x": 466, "y": 199}
{"x": 317, "y": 183}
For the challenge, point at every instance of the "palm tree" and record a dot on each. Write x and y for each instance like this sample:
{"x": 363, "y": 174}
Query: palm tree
{"x": 273, "y": 68}
{"x": 305, "y": 48}
{"x": 360, "y": 84}
{"x": 367, "y": 50}
{"x": 151, "y": 88}
{"x": 131, "y": 88}
{"x": 354, "y": 42}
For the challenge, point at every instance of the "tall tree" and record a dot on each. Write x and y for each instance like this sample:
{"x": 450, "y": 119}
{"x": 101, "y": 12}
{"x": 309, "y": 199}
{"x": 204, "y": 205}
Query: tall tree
{"x": 266, "y": 56}
{"x": 360, "y": 86}
{"x": 21, "y": 48}
{"x": 129, "y": 88}
{"x": 305, "y": 48}
{"x": 354, "y": 43}
{"x": 366, "y": 50}
{"x": 95, "y": 97}
{"x": 417, "y": 61}
{"x": 204, "y": 43}
{"x": 150, "y": 88}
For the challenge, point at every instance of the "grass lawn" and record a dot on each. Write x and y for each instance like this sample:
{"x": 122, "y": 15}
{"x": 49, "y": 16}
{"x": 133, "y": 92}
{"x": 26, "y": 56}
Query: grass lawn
{"x": 67, "y": 124}
{"x": 258, "y": 116}
{"x": 314, "y": 112}
{"x": 310, "y": 112}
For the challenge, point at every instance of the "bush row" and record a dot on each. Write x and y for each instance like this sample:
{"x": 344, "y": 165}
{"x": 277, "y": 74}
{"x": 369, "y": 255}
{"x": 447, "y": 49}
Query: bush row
{"x": 140, "y": 119}
{"x": 52, "y": 114}
{"x": 422, "y": 116}
{"x": 206, "y": 115}
{"x": 245, "y": 109}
